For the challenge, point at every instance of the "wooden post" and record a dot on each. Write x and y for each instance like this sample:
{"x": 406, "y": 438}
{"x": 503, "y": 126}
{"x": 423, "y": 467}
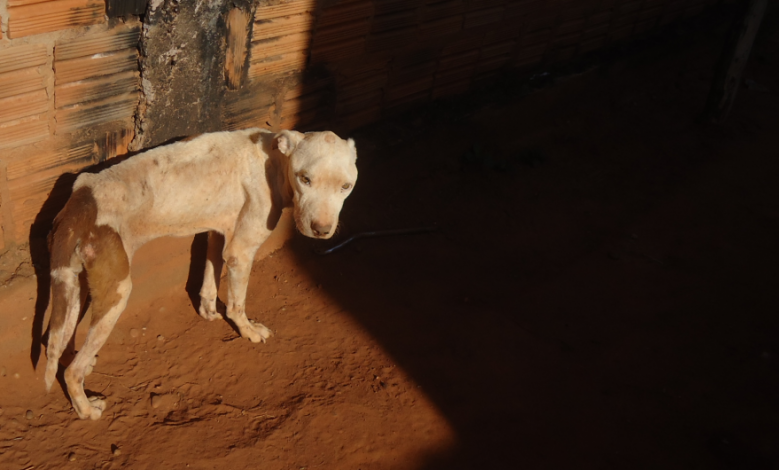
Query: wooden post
{"x": 728, "y": 75}
{"x": 238, "y": 32}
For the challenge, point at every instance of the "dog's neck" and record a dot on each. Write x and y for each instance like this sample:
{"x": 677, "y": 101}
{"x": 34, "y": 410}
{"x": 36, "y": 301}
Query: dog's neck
{"x": 277, "y": 172}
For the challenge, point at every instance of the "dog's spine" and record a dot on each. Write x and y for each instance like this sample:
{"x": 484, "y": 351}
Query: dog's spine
{"x": 71, "y": 226}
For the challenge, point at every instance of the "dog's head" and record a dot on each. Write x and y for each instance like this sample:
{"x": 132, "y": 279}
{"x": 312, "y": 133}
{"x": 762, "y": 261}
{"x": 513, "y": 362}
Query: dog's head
{"x": 322, "y": 173}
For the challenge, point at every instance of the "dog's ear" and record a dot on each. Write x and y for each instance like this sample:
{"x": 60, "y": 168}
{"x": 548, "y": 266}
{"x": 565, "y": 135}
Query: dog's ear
{"x": 286, "y": 141}
{"x": 352, "y": 147}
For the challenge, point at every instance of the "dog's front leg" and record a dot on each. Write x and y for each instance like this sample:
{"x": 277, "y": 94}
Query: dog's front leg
{"x": 211, "y": 277}
{"x": 239, "y": 260}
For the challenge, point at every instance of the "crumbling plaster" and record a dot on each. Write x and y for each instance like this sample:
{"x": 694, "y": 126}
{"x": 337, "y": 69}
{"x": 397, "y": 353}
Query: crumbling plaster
{"x": 182, "y": 69}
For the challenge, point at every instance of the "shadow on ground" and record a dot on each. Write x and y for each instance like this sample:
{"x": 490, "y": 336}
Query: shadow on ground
{"x": 607, "y": 303}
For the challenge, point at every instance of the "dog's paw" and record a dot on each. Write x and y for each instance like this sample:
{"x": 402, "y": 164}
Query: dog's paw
{"x": 93, "y": 411}
{"x": 207, "y": 309}
{"x": 256, "y": 332}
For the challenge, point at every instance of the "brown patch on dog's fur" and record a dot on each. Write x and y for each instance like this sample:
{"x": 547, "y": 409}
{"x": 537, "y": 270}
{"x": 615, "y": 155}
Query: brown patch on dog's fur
{"x": 107, "y": 266}
{"x": 255, "y": 137}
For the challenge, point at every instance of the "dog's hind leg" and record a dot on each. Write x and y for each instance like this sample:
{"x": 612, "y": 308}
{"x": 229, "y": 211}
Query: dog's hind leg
{"x": 108, "y": 273}
{"x": 70, "y": 230}
{"x": 211, "y": 277}
{"x": 96, "y": 337}
{"x": 240, "y": 257}
{"x": 66, "y": 306}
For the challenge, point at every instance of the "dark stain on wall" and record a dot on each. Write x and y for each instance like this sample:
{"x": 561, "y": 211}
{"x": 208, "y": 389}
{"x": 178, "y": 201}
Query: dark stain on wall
{"x": 182, "y": 69}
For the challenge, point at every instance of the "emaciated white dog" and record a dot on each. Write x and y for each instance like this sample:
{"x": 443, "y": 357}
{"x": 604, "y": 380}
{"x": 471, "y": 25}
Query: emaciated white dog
{"x": 231, "y": 183}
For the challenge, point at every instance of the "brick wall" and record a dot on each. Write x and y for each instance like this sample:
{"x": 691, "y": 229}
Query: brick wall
{"x": 69, "y": 85}
{"x": 71, "y": 91}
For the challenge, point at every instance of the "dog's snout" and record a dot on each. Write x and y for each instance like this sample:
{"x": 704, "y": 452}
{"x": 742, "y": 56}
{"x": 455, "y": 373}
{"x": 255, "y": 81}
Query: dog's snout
{"x": 321, "y": 229}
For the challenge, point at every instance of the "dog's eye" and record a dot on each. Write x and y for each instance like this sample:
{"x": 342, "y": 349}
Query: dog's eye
{"x": 305, "y": 180}
{"x": 346, "y": 186}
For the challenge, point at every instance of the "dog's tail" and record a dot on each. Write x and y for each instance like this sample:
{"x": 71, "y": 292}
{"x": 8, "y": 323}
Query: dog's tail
{"x": 71, "y": 227}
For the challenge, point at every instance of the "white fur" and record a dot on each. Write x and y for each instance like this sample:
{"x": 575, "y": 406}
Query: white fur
{"x": 57, "y": 338}
{"x": 224, "y": 182}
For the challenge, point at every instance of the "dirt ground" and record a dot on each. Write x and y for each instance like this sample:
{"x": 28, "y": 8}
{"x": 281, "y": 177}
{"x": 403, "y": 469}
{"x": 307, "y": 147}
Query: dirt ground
{"x": 601, "y": 292}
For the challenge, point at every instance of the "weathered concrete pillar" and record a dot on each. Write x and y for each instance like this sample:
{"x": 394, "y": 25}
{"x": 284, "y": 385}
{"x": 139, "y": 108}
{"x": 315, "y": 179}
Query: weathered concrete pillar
{"x": 183, "y": 56}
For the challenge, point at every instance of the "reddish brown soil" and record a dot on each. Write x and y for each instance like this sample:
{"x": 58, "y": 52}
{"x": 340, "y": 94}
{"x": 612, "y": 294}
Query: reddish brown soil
{"x": 615, "y": 306}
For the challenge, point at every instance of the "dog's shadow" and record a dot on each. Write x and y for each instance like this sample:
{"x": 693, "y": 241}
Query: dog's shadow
{"x": 197, "y": 264}
{"x": 39, "y": 255}
{"x": 198, "y": 253}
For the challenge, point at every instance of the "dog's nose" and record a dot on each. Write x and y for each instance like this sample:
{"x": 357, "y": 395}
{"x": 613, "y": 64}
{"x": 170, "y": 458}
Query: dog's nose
{"x": 320, "y": 229}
